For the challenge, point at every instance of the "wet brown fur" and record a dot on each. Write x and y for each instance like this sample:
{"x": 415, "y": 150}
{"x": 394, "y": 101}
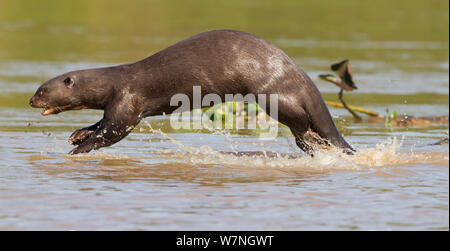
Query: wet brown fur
{"x": 221, "y": 62}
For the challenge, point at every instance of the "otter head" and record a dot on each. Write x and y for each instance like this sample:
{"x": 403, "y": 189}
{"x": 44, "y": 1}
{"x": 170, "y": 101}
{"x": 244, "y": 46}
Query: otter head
{"x": 58, "y": 94}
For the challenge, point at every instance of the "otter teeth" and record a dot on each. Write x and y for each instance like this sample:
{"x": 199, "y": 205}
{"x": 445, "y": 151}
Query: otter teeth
{"x": 48, "y": 111}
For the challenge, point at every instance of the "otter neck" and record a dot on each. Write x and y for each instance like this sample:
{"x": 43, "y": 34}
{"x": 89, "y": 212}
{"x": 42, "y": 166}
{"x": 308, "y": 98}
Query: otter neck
{"x": 100, "y": 87}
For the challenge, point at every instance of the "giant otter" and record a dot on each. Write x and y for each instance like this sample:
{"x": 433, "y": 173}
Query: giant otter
{"x": 221, "y": 62}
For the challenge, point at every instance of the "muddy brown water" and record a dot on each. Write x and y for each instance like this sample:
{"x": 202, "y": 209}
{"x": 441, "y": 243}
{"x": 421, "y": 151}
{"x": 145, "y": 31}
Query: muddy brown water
{"x": 166, "y": 179}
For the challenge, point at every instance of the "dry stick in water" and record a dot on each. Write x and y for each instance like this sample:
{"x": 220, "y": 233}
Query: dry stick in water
{"x": 354, "y": 108}
{"x": 345, "y": 76}
{"x": 341, "y": 94}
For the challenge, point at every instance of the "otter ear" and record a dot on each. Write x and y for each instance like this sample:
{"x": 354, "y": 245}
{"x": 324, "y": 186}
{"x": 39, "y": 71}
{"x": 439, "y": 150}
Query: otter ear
{"x": 69, "y": 82}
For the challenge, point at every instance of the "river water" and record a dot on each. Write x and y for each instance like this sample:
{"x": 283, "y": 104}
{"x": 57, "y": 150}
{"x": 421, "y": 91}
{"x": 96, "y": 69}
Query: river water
{"x": 159, "y": 178}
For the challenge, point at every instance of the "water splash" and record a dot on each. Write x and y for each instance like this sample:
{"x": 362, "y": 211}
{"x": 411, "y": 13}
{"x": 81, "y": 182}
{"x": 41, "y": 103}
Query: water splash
{"x": 383, "y": 155}
{"x": 99, "y": 155}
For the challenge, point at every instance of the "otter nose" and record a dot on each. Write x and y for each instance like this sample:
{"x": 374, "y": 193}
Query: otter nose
{"x": 32, "y": 101}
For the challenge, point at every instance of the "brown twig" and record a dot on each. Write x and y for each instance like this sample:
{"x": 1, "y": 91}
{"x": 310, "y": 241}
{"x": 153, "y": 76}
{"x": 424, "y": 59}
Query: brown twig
{"x": 341, "y": 94}
{"x": 354, "y": 108}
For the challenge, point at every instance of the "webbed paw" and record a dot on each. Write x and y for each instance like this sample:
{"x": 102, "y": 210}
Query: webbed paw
{"x": 79, "y": 136}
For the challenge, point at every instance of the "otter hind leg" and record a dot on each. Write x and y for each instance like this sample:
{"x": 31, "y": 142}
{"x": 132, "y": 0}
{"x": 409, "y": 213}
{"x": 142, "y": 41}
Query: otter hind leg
{"x": 300, "y": 141}
{"x": 297, "y": 120}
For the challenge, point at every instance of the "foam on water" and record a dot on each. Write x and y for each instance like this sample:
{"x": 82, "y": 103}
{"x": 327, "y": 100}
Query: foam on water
{"x": 384, "y": 155}
{"x": 99, "y": 155}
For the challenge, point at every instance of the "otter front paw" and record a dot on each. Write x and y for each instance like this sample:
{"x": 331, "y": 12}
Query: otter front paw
{"x": 79, "y": 136}
{"x": 83, "y": 148}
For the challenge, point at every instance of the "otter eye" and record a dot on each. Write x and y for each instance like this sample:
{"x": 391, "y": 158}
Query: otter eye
{"x": 69, "y": 82}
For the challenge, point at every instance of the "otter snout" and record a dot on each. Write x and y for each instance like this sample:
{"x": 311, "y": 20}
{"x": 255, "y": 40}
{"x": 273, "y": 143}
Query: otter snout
{"x": 33, "y": 102}
{"x": 38, "y": 100}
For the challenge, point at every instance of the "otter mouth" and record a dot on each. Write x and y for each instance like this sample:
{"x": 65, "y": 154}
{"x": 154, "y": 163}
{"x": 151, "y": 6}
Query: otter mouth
{"x": 57, "y": 109}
